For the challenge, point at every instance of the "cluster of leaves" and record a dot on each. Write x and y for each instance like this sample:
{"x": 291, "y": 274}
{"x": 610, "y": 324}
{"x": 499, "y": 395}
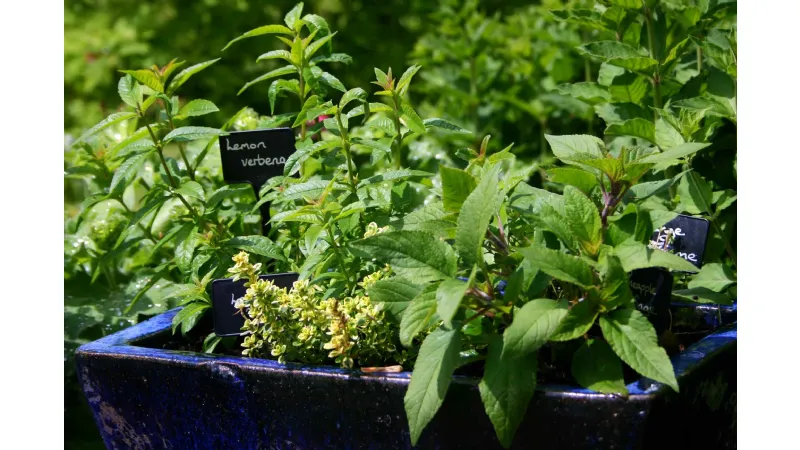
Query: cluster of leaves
{"x": 511, "y": 267}
{"x": 667, "y": 80}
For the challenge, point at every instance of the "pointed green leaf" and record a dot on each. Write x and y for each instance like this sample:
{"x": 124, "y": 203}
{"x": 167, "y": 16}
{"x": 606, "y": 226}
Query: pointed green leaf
{"x": 641, "y": 128}
{"x": 696, "y": 194}
{"x": 619, "y": 54}
{"x": 436, "y": 122}
{"x": 449, "y": 296}
{"x": 316, "y": 45}
{"x": 571, "y": 146}
{"x": 419, "y": 315}
{"x": 457, "y": 184}
{"x": 276, "y": 54}
{"x": 715, "y": 276}
{"x": 673, "y": 156}
{"x": 415, "y": 255}
{"x": 438, "y": 357}
{"x": 405, "y": 79}
{"x": 393, "y": 175}
{"x": 105, "y": 123}
{"x": 352, "y": 94}
{"x": 128, "y": 91}
{"x": 591, "y": 93}
{"x": 475, "y": 215}
{"x": 196, "y": 108}
{"x": 577, "y": 322}
{"x": 595, "y": 366}
{"x": 332, "y": 81}
{"x": 506, "y": 389}
{"x": 635, "y": 255}
{"x": 259, "y": 245}
{"x": 285, "y": 70}
{"x": 412, "y": 119}
{"x": 532, "y": 327}
{"x": 184, "y": 75}
{"x": 147, "y": 77}
{"x": 185, "y": 134}
{"x": 395, "y": 294}
{"x": 583, "y": 219}
{"x": 559, "y": 265}
{"x": 267, "y": 29}
{"x": 291, "y": 18}
{"x": 127, "y": 171}
{"x": 634, "y": 340}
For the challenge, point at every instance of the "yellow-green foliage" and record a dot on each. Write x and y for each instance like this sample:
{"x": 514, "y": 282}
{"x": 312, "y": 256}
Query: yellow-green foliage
{"x": 299, "y": 326}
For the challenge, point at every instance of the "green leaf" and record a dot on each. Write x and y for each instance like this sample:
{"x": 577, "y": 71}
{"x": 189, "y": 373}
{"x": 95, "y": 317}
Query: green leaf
{"x": 642, "y": 191}
{"x": 412, "y": 119}
{"x": 316, "y": 45}
{"x": 105, "y": 123}
{"x": 418, "y": 315}
{"x": 615, "y": 290}
{"x": 196, "y": 108}
{"x": 191, "y": 189}
{"x": 619, "y": 54}
{"x": 393, "y": 175}
{"x": 127, "y": 171}
{"x": 184, "y": 75}
{"x": 415, "y": 255}
{"x": 187, "y": 241}
{"x": 596, "y": 367}
{"x": 674, "y": 156}
{"x": 577, "y": 145}
{"x": 395, "y": 294}
{"x": 581, "y": 179}
{"x": 577, "y": 322}
{"x": 635, "y": 255}
{"x": 620, "y": 112}
{"x": 457, "y": 184}
{"x": 715, "y": 276}
{"x": 436, "y": 122}
{"x": 438, "y": 357}
{"x": 188, "y": 317}
{"x": 506, "y": 389}
{"x": 291, "y": 18}
{"x": 583, "y": 219}
{"x": 285, "y": 70}
{"x": 667, "y": 135}
{"x": 449, "y": 296}
{"x": 531, "y": 200}
{"x": 260, "y": 245}
{"x": 634, "y": 340}
{"x": 296, "y": 159}
{"x": 279, "y": 86}
{"x": 185, "y": 134}
{"x": 475, "y": 215}
{"x": 332, "y": 81}
{"x": 147, "y": 77}
{"x": 352, "y": 94}
{"x": 702, "y": 295}
{"x": 276, "y": 54}
{"x": 128, "y": 91}
{"x": 591, "y": 93}
{"x": 641, "y": 128}
{"x": 696, "y": 194}
{"x": 405, "y": 79}
{"x": 267, "y": 29}
{"x": 560, "y": 265}
{"x": 228, "y": 191}
{"x": 532, "y": 327}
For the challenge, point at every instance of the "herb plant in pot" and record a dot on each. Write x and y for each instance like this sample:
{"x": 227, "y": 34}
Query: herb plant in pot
{"x": 476, "y": 312}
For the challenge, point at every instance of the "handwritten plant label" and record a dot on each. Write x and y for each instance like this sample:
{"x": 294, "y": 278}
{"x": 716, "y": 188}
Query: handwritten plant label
{"x": 254, "y": 157}
{"x": 684, "y": 236}
{"x": 228, "y": 320}
{"x": 652, "y": 290}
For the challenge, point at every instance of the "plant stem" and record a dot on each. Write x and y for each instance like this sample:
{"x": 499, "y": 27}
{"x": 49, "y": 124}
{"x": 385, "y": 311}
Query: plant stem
{"x": 587, "y": 75}
{"x": 473, "y": 93}
{"x": 348, "y": 153}
{"x": 648, "y": 17}
{"x": 146, "y": 231}
{"x": 340, "y": 258}
{"x": 397, "y": 142}
{"x": 699, "y": 59}
{"x": 181, "y": 147}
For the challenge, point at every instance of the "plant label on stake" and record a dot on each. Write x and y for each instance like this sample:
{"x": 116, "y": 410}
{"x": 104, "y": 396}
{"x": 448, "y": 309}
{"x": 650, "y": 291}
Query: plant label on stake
{"x": 652, "y": 290}
{"x": 228, "y": 321}
{"x": 254, "y": 157}
{"x": 684, "y": 236}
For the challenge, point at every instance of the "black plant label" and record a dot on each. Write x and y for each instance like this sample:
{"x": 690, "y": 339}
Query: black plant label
{"x": 228, "y": 321}
{"x": 652, "y": 290}
{"x": 254, "y": 157}
{"x": 684, "y": 236}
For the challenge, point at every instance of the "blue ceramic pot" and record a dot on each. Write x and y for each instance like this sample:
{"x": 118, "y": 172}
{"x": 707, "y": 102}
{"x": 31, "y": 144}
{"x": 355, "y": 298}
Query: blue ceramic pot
{"x": 144, "y": 397}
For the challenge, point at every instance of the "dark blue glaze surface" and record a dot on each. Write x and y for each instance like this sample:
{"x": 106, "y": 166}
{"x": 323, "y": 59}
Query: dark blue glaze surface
{"x": 146, "y": 397}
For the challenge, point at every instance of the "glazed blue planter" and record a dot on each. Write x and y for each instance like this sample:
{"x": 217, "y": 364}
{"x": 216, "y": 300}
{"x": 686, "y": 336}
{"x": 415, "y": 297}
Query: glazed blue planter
{"x": 144, "y": 397}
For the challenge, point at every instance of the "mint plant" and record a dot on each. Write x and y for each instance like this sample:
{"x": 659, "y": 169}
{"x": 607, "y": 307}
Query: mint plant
{"x": 512, "y": 268}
